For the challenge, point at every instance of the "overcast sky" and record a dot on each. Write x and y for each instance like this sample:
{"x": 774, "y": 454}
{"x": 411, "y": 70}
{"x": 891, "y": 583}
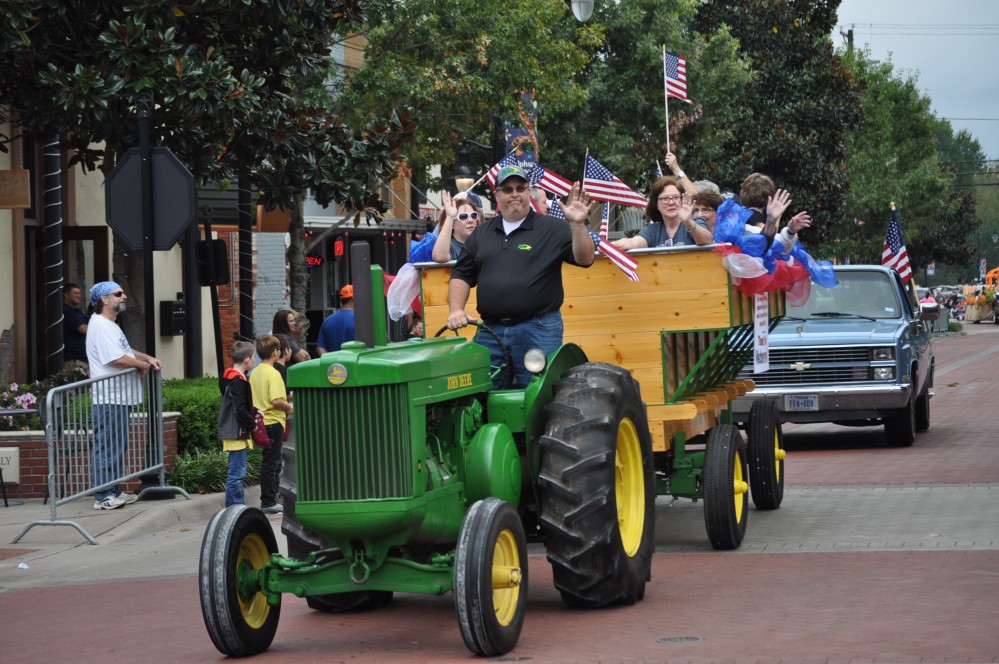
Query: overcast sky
{"x": 953, "y": 46}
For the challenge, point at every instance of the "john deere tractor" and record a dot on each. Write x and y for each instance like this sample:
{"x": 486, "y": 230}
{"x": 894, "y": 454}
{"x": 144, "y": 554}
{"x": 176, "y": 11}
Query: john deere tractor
{"x": 412, "y": 473}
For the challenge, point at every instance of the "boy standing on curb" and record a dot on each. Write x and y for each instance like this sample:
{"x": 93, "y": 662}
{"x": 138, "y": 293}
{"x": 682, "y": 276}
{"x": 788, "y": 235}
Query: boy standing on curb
{"x": 236, "y": 419}
{"x": 271, "y": 398}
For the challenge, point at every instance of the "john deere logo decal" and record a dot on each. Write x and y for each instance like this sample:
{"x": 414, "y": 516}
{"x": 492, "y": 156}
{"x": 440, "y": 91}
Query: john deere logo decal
{"x": 524, "y": 247}
{"x": 336, "y": 374}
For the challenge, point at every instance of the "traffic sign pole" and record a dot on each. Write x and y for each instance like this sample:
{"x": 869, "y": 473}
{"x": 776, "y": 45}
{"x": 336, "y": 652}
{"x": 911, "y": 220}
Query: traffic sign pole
{"x": 144, "y": 108}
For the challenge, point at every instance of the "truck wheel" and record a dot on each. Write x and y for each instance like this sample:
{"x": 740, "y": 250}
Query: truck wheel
{"x": 726, "y": 494}
{"x": 766, "y": 455}
{"x": 361, "y": 600}
{"x": 490, "y": 577}
{"x": 923, "y": 411}
{"x": 900, "y": 429}
{"x": 597, "y": 487}
{"x": 238, "y": 543}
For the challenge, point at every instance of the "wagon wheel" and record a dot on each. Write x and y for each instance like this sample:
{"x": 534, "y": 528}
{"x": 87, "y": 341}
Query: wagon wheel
{"x": 490, "y": 577}
{"x": 726, "y": 499}
{"x": 766, "y": 455}
{"x": 598, "y": 487}
{"x": 502, "y": 375}
{"x": 237, "y": 545}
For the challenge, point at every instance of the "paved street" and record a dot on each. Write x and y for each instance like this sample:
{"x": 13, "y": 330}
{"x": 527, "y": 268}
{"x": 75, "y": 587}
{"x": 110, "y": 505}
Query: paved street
{"x": 878, "y": 554}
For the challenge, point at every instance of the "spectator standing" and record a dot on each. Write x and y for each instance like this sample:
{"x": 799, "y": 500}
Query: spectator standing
{"x": 74, "y": 328}
{"x": 236, "y": 419}
{"x": 284, "y": 357}
{"x": 108, "y": 351}
{"x": 271, "y": 399}
{"x": 285, "y": 323}
{"x": 338, "y": 326}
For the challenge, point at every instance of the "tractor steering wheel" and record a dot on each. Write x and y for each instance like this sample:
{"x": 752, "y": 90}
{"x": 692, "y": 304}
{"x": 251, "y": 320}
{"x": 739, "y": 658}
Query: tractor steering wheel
{"x": 502, "y": 375}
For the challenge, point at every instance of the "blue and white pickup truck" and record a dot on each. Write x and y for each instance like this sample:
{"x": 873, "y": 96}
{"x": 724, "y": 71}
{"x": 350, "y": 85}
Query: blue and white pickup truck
{"x": 857, "y": 354}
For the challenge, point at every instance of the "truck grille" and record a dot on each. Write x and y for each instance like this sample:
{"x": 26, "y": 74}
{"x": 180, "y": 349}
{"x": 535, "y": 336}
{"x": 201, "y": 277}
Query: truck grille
{"x": 828, "y": 365}
{"x": 353, "y": 444}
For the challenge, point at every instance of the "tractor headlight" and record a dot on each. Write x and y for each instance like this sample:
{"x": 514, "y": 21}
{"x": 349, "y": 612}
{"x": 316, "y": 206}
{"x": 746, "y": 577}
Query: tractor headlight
{"x": 535, "y": 361}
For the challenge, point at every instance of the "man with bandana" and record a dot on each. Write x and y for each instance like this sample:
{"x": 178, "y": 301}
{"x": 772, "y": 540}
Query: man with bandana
{"x": 108, "y": 352}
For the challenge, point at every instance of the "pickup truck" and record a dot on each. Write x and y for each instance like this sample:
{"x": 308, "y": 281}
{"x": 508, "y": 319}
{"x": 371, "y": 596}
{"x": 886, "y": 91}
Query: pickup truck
{"x": 858, "y": 354}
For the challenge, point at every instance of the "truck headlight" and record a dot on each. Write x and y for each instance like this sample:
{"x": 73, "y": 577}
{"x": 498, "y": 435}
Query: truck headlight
{"x": 884, "y": 373}
{"x": 883, "y": 354}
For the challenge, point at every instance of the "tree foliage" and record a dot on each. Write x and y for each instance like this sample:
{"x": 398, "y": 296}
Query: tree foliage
{"x": 230, "y": 80}
{"x": 895, "y": 156}
{"x": 462, "y": 66}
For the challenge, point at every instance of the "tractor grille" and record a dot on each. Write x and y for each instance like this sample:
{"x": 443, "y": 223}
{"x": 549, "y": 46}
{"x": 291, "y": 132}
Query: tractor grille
{"x": 828, "y": 366}
{"x": 353, "y": 444}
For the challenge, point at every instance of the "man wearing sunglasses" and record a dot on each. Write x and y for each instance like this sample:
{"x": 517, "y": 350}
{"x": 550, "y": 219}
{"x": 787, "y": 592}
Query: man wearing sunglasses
{"x": 108, "y": 352}
{"x": 515, "y": 262}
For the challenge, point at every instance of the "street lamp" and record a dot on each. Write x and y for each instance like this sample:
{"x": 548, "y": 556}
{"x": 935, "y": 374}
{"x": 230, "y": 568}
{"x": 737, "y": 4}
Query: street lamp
{"x": 582, "y": 9}
{"x": 464, "y": 173}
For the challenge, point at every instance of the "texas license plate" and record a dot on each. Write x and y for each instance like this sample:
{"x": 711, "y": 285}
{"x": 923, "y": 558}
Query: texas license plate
{"x": 798, "y": 402}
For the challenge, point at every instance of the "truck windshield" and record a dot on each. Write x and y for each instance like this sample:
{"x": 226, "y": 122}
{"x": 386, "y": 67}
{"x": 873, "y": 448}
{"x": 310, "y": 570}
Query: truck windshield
{"x": 859, "y": 294}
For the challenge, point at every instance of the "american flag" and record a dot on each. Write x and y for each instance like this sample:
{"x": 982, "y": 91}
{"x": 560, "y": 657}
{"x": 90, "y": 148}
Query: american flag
{"x": 604, "y": 221}
{"x": 602, "y": 185}
{"x": 894, "y": 254}
{"x": 675, "y": 75}
{"x": 509, "y": 160}
{"x": 549, "y": 180}
{"x": 626, "y": 263}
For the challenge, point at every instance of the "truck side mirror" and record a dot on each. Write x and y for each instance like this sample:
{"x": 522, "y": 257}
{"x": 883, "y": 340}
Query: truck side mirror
{"x": 929, "y": 311}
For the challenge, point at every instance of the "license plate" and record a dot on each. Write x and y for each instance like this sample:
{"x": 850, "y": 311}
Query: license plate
{"x": 798, "y": 402}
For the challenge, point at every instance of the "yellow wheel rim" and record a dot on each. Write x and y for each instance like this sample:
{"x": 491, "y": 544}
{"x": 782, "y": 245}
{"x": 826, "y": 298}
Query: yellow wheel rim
{"x": 778, "y": 456}
{"x": 629, "y": 487}
{"x": 253, "y": 555}
{"x": 739, "y": 487}
{"x": 506, "y": 578}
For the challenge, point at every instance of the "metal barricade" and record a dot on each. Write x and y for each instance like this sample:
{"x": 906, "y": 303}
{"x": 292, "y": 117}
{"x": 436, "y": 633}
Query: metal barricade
{"x": 132, "y": 410}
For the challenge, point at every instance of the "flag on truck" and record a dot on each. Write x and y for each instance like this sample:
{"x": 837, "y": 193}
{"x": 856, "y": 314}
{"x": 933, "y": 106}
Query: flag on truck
{"x": 894, "y": 254}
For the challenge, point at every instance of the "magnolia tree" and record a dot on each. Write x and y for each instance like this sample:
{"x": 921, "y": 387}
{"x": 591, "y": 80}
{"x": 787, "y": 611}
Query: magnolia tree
{"x": 235, "y": 89}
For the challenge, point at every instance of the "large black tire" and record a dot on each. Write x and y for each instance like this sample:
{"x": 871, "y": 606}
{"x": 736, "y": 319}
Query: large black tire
{"x": 238, "y": 543}
{"x": 726, "y": 494}
{"x": 491, "y": 547}
{"x": 361, "y": 600}
{"x": 597, "y": 487}
{"x": 766, "y": 455}
{"x": 923, "y": 411}
{"x": 900, "y": 429}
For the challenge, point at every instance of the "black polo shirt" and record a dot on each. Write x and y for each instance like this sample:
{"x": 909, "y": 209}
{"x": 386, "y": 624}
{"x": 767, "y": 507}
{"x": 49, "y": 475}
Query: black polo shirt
{"x": 517, "y": 276}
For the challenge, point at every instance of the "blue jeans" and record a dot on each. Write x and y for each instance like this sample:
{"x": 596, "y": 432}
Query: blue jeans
{"x": 544, "y": 332}
{"x": 234, "y": 479}
{"x": 110, "y": 443}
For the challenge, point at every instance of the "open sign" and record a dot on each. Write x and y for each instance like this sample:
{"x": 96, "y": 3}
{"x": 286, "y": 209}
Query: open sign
{"x": 313, "y": 261}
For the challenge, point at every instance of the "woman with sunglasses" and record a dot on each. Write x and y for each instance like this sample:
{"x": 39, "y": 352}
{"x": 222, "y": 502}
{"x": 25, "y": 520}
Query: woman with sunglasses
{"x": 671, "y": 222}
{"x": 458, "y": 219}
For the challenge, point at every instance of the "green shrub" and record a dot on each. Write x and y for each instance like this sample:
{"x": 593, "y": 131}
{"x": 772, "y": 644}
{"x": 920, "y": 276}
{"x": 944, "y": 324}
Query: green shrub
{"x": 954, "y": 326}
{"x": 197, "y": 401}
{"x": 204, "y": 471}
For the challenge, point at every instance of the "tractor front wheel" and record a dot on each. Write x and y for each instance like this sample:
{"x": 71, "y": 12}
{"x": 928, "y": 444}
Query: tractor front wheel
{"x": 766, "y": 455}
{"x": 237, "y": 545}
{"x": 490, "y": 577}
{"x": 726, "y": 494}
{"x": 597, "y": 487}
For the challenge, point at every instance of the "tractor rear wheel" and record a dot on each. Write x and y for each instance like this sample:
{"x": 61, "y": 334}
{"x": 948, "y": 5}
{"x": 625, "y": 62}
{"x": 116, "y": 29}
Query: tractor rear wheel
{"x": 766, "y": 455}
{"x": 238, "y": 544}
{"x": 490, "y": 577}
{"x": 598, "y": 487}
{"x": 726, "y": 495}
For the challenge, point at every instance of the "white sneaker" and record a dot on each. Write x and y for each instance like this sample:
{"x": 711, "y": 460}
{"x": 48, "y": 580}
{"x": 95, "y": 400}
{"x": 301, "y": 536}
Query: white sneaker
{"x": 109, "y": 503}
{"x": 273, "y": 509}
{"x": 127, "y": 498}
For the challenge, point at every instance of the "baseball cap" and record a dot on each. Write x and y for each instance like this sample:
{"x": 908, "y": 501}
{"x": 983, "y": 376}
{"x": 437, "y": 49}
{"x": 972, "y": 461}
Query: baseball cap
{"x": 347, "y": 292}
{"x": 508, "y": 172}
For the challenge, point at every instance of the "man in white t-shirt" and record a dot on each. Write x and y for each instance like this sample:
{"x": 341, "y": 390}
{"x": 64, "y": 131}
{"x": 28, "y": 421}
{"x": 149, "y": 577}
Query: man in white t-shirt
{"x": 108, "y": 352}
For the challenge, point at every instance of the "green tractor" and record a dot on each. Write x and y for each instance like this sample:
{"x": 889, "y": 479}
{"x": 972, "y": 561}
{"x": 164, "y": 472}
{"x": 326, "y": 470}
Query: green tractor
{"x": 410, "y": 473}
